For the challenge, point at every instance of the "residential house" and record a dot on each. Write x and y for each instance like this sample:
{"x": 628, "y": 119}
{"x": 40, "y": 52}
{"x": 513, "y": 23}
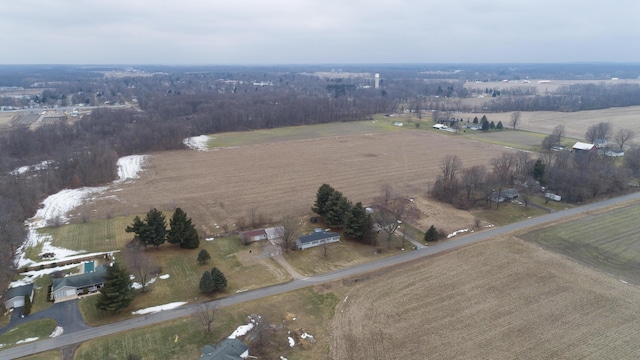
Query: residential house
{"x": 227, "y": 349}
{"x": 253, "y": 235}
{"x": 73, "y": 286}
{"x": 15, "y": 296}
{"x": 317, "y": 239}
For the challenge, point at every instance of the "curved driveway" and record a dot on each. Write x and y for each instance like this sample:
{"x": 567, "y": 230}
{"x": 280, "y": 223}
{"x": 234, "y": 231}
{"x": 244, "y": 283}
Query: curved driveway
{"x": 92, "y": 333}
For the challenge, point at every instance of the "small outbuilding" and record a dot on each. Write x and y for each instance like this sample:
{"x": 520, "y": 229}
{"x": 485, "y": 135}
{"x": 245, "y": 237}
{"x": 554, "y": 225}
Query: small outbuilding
{"x": 227, "y": 349}
{"x": 317, "y": 239}
{"x": 15, "y": 296}
{"x": 253, "y": 235}
{"x": 581, "y": 147}
{"x": 273, "y": 233}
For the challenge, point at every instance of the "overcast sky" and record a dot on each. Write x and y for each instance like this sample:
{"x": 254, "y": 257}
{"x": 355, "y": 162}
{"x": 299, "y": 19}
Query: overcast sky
{"x": 317, "y": 31}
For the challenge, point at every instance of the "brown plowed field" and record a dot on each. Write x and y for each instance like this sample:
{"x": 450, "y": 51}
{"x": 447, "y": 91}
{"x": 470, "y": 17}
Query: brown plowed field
{"x": 281, "y": 178}
{"x": 501, "y": 299}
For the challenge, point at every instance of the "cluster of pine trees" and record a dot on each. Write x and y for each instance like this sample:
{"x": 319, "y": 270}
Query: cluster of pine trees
{"x": 338, "y": 212}
{"x": 212, "y": 281}
{"x": 153, "y": 229}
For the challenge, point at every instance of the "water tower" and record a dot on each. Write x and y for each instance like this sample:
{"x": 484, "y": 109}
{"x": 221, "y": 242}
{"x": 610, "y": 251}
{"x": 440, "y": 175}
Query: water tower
{"x": 376, "y": 78}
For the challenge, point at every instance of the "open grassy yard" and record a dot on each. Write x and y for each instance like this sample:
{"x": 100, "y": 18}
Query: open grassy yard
{"x": 606, "y": 240}
{"x": 243, "y": 270}
{"x": 40, "y": 329}
{"x": 309, "y": 310}
{"x": 523, "y": 140}
{"x": 507, "y": 213}
{"x": 500, "y": 299}
{"x": 47, "y": 355}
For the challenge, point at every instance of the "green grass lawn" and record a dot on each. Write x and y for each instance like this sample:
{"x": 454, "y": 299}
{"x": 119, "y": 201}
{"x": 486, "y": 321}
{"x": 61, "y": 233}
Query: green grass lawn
{"x": 342, "y": 254}
{"x": 380, "y": 124}
{"x": 607, "y": 241}
{"x": 236, "y": 261}
{"x": 520, "y": 139}
{"x": 40, "y": 329}
{"x": 311, "y": 308}
{"x": 47, "y": 355}
{"x": 507, "y": 213}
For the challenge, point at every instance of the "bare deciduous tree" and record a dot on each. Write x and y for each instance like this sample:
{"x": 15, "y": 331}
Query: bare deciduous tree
{"x": 598, "y": 132}
{"x": 390, "y": 217}
{"x": 139, "y": 262}
{"x": 503, "y": 167}
{"x": 515, "y": 119}
{"x": 287, "y": 234}
{"x": 387, "y": 194}
{"x": 622, "y": 136}
{"x": 205, "y": 315}
{"x": 472, "y": 178}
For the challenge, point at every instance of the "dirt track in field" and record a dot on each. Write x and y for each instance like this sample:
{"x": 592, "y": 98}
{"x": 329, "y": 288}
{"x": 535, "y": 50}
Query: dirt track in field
{"x": 501, "y": 299}
{"x": 279, "y": 179}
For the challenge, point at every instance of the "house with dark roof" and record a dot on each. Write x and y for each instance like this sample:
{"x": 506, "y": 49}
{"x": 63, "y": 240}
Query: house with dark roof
{"x": 317, "y": 239}
{"x": 14, "y": 298}
{"x": 227, "y": 349}
{"x": 73, "y": 286}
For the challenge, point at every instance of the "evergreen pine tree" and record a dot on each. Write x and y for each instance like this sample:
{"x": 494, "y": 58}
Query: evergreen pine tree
{"x": 219, "y": 280}
{"x": 322, "y": 196}
{"x": 143, "y": 232}
{"x": 355, "y": 221}
{"x": 158, "y": 223}
{"x": 475, "y": 120}
{"x": 27, "y": 305}
{"x": 207, "y": 285}
{"x": 182, "y": 231}
{"x": 485, "y": 125}
{"x": 499, "y": 126}
{"x": 337, "y": 207}
{"x": 492, "y": 125}
{"x": 203, "y": 256}
{"x": 116, "y": 294}
{"x": 431, "y": 234}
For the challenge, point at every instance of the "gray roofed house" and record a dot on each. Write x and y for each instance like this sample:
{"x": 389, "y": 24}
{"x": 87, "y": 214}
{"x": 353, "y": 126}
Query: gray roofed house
{"x": 70, "y": 287}
{"x": 15, "y": 296}
{"x": 227, "y": 349}
{"x": 317, "y": 239}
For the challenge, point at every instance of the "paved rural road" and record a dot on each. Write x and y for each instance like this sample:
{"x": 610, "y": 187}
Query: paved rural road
{"x": 92, "y": 333}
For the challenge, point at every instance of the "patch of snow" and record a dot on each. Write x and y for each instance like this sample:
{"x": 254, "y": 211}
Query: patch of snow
{"x": 31, "y": 276}
{"x": 129, "y": 167}
{"x": 283, "y": 358}
{"x": 292, "y": 342}
{"x": 241, "y": 331}
{"x": 39, "y": 166}
{"x": 197, "y": 142}
{"x": 151, "y": 281}
{"x": 305, "y": 335}
{"x": 132, "y": 277}
{"x": 209, "y": 239}
{"x": 57, "y": 332}
{"x": 136, "y": 285}
{"x": 55, "y": 208}
{"x": 158, "y": 308}
{"x": 489, "y": 226}
{"x": 624, "y": 282}
{"x": 27, "y": 340}
{"x": 457, "y": 232}
{"x": 164, "y": 276}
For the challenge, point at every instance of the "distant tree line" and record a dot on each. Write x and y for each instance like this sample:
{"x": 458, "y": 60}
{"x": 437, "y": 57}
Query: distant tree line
{"x": 570, "y": 98}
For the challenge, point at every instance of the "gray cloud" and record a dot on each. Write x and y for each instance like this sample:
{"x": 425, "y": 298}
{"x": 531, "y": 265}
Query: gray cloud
{"x": 313, "y": 31}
